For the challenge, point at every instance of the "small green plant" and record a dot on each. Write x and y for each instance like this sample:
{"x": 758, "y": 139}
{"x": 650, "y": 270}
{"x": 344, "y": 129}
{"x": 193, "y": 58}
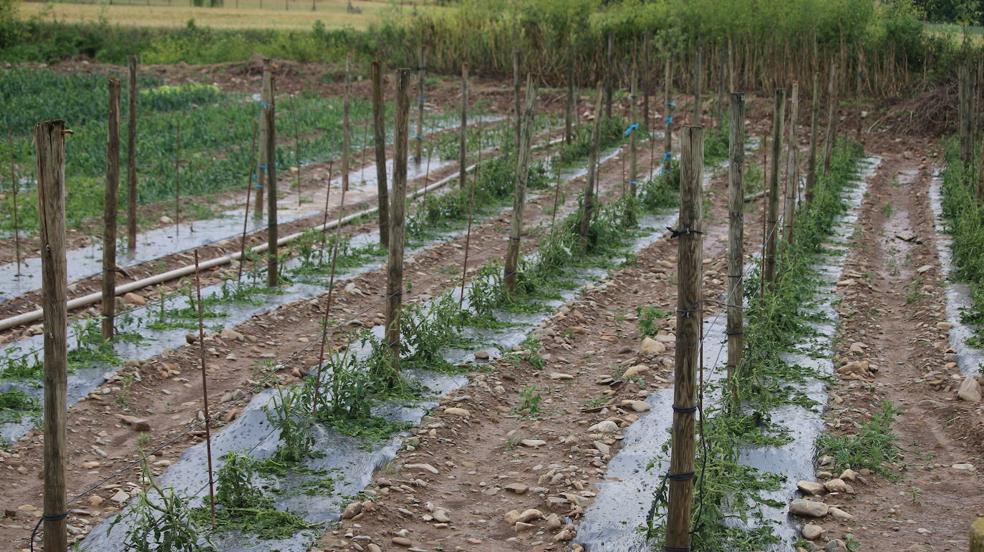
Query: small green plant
{"x": 649, "y": 318}
{"x": 123, "y": 396}
{"x": 887, "y": 210}
{"x": 872, "y": 447}
{"x": 288, "y": 412}
{"x": 15, "y": 404}
{"x": 529, "y": 402}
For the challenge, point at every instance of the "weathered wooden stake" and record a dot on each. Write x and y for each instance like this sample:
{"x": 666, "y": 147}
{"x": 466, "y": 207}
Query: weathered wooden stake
{"x": 519, "y": 199}
{"x": 569, "y": 106}
{"x": 266, "y": 99}
{"x": 811, "y": 161}
{"x": 778, "y": 121}
{"x": 347, "y": 125}
{"x": 13, "y": 192}
{"x": 689, "y": 316}
{"x": 49, "y": 138}
{"x": 828, "y": 146}
{"x": 110, "y": 207}
{"x": 517, "y": 108}
{"x": 269, "y": 115}
{"x": 208, "y": 418}
{"x": 736, "y": 227}
{"x": 698, "y": 77}
{"x": 177, "y": 177}
{"x": 379, "y": 141}
{"x": 297, "y": 156}
{"x": 471, "y": 213}
{"x": 633, "y": 134}
{"x": 250, "y": 176}
{"x": 463, "y": 131}
{"x": 394, "y": 283}
{"x": 419, "y": 139}
{"x": 131, "y": 159}
{"x": 792, "y": 171}
{"x": 609, "y": 71}
{"x": 587, "y": 204}
{"x": 668, "y": 116}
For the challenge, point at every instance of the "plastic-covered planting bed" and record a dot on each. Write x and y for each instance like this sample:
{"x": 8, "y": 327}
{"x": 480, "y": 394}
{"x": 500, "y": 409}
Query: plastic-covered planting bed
{"x": 84, "y": 380}
{"x": 350, "y": 462}
{"x": 958, "y": 294}
{"x": 160, "y": 242}
{"x": 616, "y": 520}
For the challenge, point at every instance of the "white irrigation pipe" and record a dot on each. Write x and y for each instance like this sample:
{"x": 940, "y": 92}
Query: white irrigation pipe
{"x": 92, "y": 298}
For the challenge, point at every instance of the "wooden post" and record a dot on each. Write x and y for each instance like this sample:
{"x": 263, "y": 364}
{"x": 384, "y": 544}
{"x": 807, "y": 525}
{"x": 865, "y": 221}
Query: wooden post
{"x": 49, "y": 137}
{"x": 668, "y": 116}
{"x": 324, "y": 222}
{"x": 379, "y": 141}
{"x": 646, "y": 70}
{"x": 208, "y": 419}
{"x": 689, "y": 315}
{"x": 251, "y": 174}
{"x": 811, "y": 161}
{"x": 131, "y": 160}
{"x": 517, "y": 108}
{"x": 633, "y": 136}
{"x": 569, "y": 107}
{"x": 266, "y": 99}
{"x": 778, "y": 115}
{"x": 698, "y": 75}
{"x": 177, "y": 177}
{"x": 463, "y": 131}
{"x": 394, "y": 285}
{"x": 347, "y": 125}
{"x": 419, "y": 139}
{"x": 587, "y": 204}
{"x": 471, "y": 213}
{"x": 13, "y": 192}
{"x": 519, "y": 200}
{"x": 828, "y": 146}
{"x": 859, "y": 112}
{"x": 269, "y": 115}
{"x": 609, "y": 70}
{"x": 792, "y": 171}
{"x": 109, "y": 210}
{"x": 977, "y": 535}
{"x": 736, "y": 226}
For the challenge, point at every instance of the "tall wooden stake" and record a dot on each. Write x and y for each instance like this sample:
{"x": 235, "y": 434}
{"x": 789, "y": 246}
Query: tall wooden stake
{"x": 519, "y": 200}
{"x": 471, "y": 213}
{"x": 177, "y": 177}
{"x": 49, "y": 138}
{"x": 633, "y": 135}
{"x": 109, "y": 210}
{"x": 517, "y": 108}
{"x": 394, "y": 283}
{"x": 792, "y": 171}
{"x": 324, "y": 222}
{"x": 419, "y": 139}
{"x": 828, "y": 146}
{"x": 251, "y": 175}
{"x": 569, "y": 106}
{"x": 668, "y": 116}
{"x": 463, "y": 131}
{"x": 379, "y": 141}
{"x": 131, "y": 160}
{"x": 689, "y": 315}
{"x": 698, "y": 76}
{"x": 347, "y": 125}
{"x": 609, "y": 70}
{"x": 14, "y": 185}
{"x": 778, "y": 116}
{"x": 269, "y": 115}
{"x": 587, "y": 207}
{"x": 811, "y": 160}
{"x": 208, "y": 418}
{"x": 266, "y": 99}
{"x": 736, "y": 226}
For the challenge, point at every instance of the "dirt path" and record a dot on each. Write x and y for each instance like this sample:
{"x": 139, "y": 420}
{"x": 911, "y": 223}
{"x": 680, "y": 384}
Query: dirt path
{"x": 893, "y": 317}
{"x": 499, "y": 461}
{"x": 277, "y": 346}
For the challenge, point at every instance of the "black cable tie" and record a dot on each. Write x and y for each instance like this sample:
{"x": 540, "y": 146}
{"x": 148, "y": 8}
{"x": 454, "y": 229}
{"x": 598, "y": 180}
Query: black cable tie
{"x": 56, "y": 517}
{"x": 676, "y": 233}
{"x": 682, "y": 476}
{"x": 685, "y": 409}
{"x": 739, "y": 332}
{"x": 676, "y": 549}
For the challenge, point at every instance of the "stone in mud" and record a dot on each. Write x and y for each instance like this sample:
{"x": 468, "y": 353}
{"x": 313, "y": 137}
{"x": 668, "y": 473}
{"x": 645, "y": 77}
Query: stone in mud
{"x": 231, "y": 335}
{"x": 511, "y": 517}
{"x": 854, "y": 368}
{"x": 482, "y": 355}
{"x": 441, "y": 516}
{"x": 814, "y": 488}
{"x": 456, "y": 411}
{"x": 95, "y": 501}
{"x": 372, "y": 547}
{"x": 517, "y": 488}
{"x": 606, "y": 426}
{"x": 565, "y": 534}
{"x": 135, "y": 299}
{"x": 636, "y": 370}
{"x": 808, "y": 508}
{"x": 651, "y": 347}
{"x": 836, "y": 545}
{"x": 533, "y": 443}
{"x": 554, "y": 522}
{"x": 970, "y": 390}
{"x": 811, "y": 531}
{"x": 838, "y": 514}
{"x": 529, "y": 515}
{"x": 849, "y": 475}
{"x": 422, "y": 467}
{"x": 602, "y": 448}
{"x": 138, "y": 424}
{"x": 637, "y": 406}
{"x": 120, "y": 497}
{"x": 560, "y": 376}
{"x": 402, "y": 541}
{"x": 352, "y": 510}
{"x": 838, "y": 486}
{"x": 521, "y": 526}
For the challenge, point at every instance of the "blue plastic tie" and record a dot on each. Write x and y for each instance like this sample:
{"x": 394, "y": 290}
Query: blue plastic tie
{"x": 667, "y": 156}
{"x": 631, "y": 128}
{"x": 669, "y": 119}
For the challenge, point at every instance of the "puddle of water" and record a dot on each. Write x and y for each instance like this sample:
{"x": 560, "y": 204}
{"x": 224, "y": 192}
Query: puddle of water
{"x": 616, "y": 519}
{"x": 153, "y": 244}
{"x": 958, "y": 294}
{"x": 353, "y": 463}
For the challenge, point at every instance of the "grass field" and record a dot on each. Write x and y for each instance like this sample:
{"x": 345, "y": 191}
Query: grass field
{"x": 250, "y": 14}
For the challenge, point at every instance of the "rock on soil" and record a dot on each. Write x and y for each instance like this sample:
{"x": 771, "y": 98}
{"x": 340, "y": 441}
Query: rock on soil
{"x": 808, "y": 508}
{"x": 970, "y": 390}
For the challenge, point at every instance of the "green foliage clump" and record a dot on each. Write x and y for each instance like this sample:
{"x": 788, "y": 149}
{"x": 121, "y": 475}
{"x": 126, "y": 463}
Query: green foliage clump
{"x": 872, "y": 447}
{"x": 649, "y": 318}
{"x": 15, "y": 404}
{"x": 662, "y": 191}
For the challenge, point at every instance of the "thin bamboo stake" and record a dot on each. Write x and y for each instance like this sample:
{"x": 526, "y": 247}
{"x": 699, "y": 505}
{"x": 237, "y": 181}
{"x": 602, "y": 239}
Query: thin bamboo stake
{"x": 419, "y": 139}
{"x": 208, "y": 418}
{"x": 13, "y": 192}
{"x": 689, "y": 317}
{"x": 266, "y": 98}
{"x": 736, "y": 226}
{"x": 778, "y": 115}
{"x": 811, "y": 162}
{"x": 471, "y": 211}
{"x": 668, "y": 117}
{"x": 463, "y": 131}
{"x": 346, "y": 124}
{"x": 792, "y": 171}
{"x": 828, "y": 146}
{"x": 249, "y": 186}
{"x": 379, "y": 142}
{"x": 587, "y": 204}
{"x": 519, "y": 200}
{"x": 177, "y": 178}
{"x": 324, "y": 222}
{"x": 269, "y": 115}
{"x": 131, "y": 159}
